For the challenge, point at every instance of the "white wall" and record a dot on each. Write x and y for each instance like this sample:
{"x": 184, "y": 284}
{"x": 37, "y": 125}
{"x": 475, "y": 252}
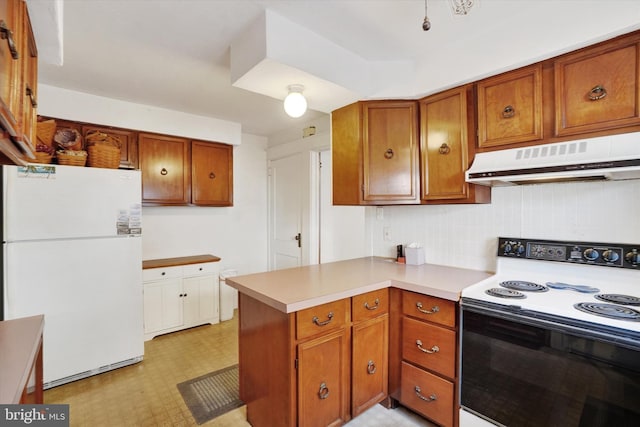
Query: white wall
{"x": 236, "y": 234}
{"x": 466, "y": 236}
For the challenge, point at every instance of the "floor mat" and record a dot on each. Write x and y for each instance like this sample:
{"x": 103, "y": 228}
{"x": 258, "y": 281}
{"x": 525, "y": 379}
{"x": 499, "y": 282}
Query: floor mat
{"x": 213, "y": 394}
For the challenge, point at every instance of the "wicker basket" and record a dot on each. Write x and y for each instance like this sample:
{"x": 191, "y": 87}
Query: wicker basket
{"x": 42, "y": 158}
{"x": 72, "y": 159}
{"x": 104, "y": 156}
{"x": 45, "y": 131}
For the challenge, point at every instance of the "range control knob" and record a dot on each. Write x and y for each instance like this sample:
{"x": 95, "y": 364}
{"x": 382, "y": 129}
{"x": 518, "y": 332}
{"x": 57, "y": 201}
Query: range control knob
{"x": 610, "y": 256}
{"x": 519, "y": 249}
{"x": 506, "y": 247}
{"x": 633, "y": 257}
{"x": 590, "y": 254}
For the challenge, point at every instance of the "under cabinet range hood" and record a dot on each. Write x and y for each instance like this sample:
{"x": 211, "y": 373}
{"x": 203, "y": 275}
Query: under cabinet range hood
{"x": 614, "y": 157}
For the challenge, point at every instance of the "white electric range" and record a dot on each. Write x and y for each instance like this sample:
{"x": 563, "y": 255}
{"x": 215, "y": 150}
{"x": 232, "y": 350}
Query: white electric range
{"x": 565, "y": 307}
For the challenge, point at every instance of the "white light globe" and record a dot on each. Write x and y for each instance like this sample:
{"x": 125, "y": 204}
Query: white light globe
{"x": 295, "y": 104}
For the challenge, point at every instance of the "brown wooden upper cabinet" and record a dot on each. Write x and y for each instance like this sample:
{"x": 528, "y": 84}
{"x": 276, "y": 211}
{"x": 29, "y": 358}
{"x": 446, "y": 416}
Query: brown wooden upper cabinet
{"x": 18, "y": 83}
{"x": 128, "y": 143}
{"x": 510, "y": 107}
{"x": 177, "y": 171}
{"x": 597, "y": 88}
{"x": 165, "y": 163}
{"x": 446, "y": 121}
{"x": 211, "y": 174}
{"x": 375, "y": 153}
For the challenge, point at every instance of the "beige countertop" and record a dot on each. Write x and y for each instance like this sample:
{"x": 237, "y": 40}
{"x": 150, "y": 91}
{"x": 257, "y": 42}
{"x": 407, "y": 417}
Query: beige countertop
{"x": 295, "y": 289}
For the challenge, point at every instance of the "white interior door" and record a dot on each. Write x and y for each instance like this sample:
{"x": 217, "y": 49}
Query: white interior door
{"x": 285, "y": 187}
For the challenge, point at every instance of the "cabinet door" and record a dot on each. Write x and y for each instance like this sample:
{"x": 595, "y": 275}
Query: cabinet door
{"x": 444, "y": 145}
{"x": 128, "y": 144}
{"x": 369, "y": 364}
{"x": 163, "y": 305}
{"x": 323, "y": 380}
{"x": 598, "y": 88}
{"x": 165, "y": 164}
{"x": 212, "y": 174}
{"x": 200, "y": 300}
{"x": 29, "y": 83}
{"x": 390, "y": 152}
{"x": 9, "y": 64}
{"x": 510, "y": 107}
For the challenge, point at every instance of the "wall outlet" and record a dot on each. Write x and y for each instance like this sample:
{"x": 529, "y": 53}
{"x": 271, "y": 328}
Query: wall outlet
{"x": 386, "y": 233}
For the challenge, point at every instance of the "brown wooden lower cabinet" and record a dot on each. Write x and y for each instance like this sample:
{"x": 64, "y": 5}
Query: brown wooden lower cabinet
{"x": 325, "y": 365}
{"x": 427, "y": 394}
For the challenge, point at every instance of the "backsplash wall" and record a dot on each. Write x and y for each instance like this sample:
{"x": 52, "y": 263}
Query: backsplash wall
{"x": 466, "y": 235}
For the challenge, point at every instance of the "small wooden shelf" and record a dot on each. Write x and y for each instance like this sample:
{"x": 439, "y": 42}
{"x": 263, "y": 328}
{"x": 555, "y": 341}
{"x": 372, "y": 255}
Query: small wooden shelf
{"x": 183, "y": 260}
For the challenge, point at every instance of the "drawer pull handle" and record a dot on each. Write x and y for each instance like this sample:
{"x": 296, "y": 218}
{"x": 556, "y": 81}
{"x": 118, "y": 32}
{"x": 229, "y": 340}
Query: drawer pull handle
{"x": 433, "y": 310}
{"x": 164, "y": 171}
{"x": 371, "y": 367}
{"x": 434, "y": 349}
{"x": 323, "y": 393}
{"x": 388, "y": 154}
{"x": 508, "y": 112}
{"x": 597, "y": 93}
{"x": 212, "y": 175}
{"x": 368, "y": 307}
{"x": 7, "y": 34}
{"x": 426, "y": 399}
{"x": 317, "y": 321}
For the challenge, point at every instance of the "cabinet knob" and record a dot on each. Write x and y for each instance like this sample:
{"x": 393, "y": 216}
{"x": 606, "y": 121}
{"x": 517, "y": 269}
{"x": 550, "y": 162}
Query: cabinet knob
{"x": 163, "y": 171}
{"x": 598, "y": 92}
{"x": 323, "y": 393}
{"x": 7, "y": 34}
{"x": 433, "y": 310}
{"x": 371, "y": 367}
{"x": 431, "y": 398}
{"x": 388, "y": 154}
{"x": 212, "y": 175}
{"x": 444, "y": 149}
{"x": 508, "y": 112}
{"x": 433, "y": 349}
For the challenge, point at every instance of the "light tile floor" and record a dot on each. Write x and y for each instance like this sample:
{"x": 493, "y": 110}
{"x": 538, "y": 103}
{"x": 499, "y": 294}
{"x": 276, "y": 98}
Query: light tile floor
{"x": 145, "y": 394}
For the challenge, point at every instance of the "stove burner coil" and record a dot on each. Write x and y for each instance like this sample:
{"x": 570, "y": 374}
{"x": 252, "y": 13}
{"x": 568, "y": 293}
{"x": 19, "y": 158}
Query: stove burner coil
{"x": 611, "y": 311}
{"x": 505, "y": 293}
{"x": 520, "y": 285}
{"x": 619, "y": 299}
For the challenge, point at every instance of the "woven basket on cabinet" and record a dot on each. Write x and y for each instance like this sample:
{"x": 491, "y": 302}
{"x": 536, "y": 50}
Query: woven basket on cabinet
{"x": 104, "y": 156}
{"x": 72, "y": 159}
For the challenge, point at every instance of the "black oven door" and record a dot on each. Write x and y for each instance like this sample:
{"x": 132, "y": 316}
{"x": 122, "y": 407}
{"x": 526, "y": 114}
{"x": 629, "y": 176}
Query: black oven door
{"x": 518, "y": 371}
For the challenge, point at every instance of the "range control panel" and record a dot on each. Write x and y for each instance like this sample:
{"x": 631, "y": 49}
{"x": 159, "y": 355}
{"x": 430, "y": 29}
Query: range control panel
{"x": 606, "y": 254}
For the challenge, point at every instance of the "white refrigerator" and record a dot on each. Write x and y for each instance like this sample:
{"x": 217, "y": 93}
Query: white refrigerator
{"x": 72, "y": 250}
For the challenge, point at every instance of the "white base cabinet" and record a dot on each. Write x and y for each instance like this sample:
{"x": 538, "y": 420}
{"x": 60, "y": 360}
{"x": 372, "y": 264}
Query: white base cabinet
{"x": 180, "y": 296}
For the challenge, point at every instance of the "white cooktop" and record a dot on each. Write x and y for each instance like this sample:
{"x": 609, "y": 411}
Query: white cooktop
{"x": 559, "y": 302}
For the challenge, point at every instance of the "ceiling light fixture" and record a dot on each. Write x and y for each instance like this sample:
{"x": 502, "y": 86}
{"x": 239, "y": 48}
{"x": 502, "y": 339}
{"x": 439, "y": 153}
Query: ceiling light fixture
{"x": 461, "y": 7}
{"x": 295, "y": 103}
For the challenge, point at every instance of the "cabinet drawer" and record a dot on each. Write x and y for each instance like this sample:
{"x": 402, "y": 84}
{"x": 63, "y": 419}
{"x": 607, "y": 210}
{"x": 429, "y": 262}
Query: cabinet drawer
{"x": 200, "y": 269}
{"x": 429, "y": 346}
{"x": 433, "y": 309}
{"x": 161, "y": 273}
{"x": 370, "y": 305}
{"x": 427, "y": 394}
{"x": 323, "y": 318}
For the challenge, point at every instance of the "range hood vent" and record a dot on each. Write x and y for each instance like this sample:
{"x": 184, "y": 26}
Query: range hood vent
{"x": 615, "y": 157}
